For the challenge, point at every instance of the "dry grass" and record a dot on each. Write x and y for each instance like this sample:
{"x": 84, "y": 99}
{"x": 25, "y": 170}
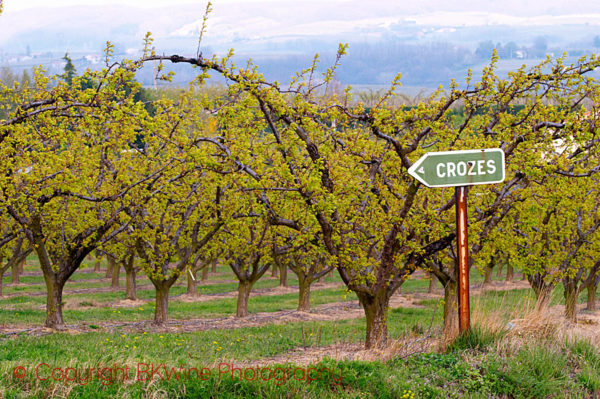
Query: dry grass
{"x": 525, "y": 326}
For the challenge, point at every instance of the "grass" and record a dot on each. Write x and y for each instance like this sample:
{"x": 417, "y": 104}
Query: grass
{"x": 31, "y": 310}
{"x": 90, "y": 307}
{"x": 535, "y": 371}
{"x": 487, "y": 363}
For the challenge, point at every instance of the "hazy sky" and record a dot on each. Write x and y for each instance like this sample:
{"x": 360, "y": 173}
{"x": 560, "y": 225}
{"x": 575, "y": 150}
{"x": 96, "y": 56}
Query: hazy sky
{"x": 15, "y": 5}
{"x": 510, "y": 7}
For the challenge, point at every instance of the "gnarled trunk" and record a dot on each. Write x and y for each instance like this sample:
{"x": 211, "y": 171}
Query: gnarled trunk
{"x": 451, "y": 329}
{"x": 432, "y": 283}
{"x": 192, "y": 283}
{"x": 116, "y": 271}
{"x": 15, "y": 272}
{"x": 510, "y": 273}
{"x": 543, "y": 293}
{"x": 376, "y": 313}
{"x": 54, "y": 316}
{"x": 244, "y": 288}
{"x": 161, "y": 313}
{"x": 97, "y": 265}
{"x": 499, "y": 270}
{"x": 109, "y": 267}
{"x": 487, "y": 277}
{"x": 571, "y": 292}
{"x": 130, "y": 284}
{"x": 283, "y": 272}
{"x": 304, "y": 294}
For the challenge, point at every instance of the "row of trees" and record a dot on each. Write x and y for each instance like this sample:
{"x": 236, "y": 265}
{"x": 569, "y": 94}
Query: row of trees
{"x": 264, "y": 173}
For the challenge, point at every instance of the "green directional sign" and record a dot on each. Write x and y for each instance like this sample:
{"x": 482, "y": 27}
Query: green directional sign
{"x": 459, "y": 168}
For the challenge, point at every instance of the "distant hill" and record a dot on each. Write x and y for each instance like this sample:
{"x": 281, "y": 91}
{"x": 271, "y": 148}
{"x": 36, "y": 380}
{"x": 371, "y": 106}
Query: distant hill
{"x": 429, "y": 41}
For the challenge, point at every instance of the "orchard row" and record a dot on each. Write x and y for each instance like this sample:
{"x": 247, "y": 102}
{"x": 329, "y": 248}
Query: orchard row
{"x": 298, "y": 176}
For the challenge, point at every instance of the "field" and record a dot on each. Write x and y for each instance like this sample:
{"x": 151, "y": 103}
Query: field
{"x": 110, "y": 348}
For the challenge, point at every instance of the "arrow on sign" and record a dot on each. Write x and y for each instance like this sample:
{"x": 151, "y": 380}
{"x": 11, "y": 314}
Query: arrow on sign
{"x": 459, "y": 168}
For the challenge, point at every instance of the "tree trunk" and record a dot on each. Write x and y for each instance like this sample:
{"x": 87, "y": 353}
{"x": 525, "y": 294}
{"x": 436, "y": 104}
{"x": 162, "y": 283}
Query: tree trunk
{"x": 487, "y": 277}
{"x": 22, "y": 266}
{"x": 274, "y": 270}
{"x": 510, "y": 273}
{"x": 432, "y": 284}
{"x": 130, "y": 284}
{"x": 1, "y": 282}
{"x": 161, "y": 313}
{"x": 205, "y": 273}
{"x": 542, "y": 299}
{"x": 499, "y": 270}
{"x": 54, "y": 317}
{"x": 97, "y": 265}
{"x": 450, "y": 330}
{"x": 283, "y": 272}
{"x": 15, "y": 272}
{"x": 214, "y": 266}
{"x": 304, "y": 294}
{"x": 375, "y": 308}
{"x": 570, "y": 301}
{"x": 109, "y": 266}
{"x": 244, "y": 288}
{"x": 116, "y": 271}
{"x": 591, "y": 297}
{"x": 192, "y": 283}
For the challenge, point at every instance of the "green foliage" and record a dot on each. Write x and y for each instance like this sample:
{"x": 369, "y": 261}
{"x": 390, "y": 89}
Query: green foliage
{"x": 184, "y": 176}
{"x": 69, "y": 70}
{"x": 476, "y": 339}
{"x": 538, "y": 372}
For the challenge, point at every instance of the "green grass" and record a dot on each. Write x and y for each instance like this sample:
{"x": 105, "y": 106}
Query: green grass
{"x": 537, "y": 371}
{"x": 472, "y": 367}
{"x": 30, "y": 310}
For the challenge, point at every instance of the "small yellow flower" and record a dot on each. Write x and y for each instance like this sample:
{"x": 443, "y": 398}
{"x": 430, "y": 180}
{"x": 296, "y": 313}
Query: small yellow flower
{"x": 215, "y": 342}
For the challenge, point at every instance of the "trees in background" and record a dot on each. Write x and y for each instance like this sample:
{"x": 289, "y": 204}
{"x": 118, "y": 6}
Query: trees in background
{"x": 69, "y": 169}
{"x": 298, "y": 174}
{"x": 348, "y": 166}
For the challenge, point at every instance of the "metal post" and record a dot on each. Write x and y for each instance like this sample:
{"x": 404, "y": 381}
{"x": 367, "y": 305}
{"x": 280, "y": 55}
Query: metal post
{"x": 462, "y": 264}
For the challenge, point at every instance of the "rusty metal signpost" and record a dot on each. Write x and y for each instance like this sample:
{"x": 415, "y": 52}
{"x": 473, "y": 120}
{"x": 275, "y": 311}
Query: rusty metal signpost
{"x": 460, "y": 169}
